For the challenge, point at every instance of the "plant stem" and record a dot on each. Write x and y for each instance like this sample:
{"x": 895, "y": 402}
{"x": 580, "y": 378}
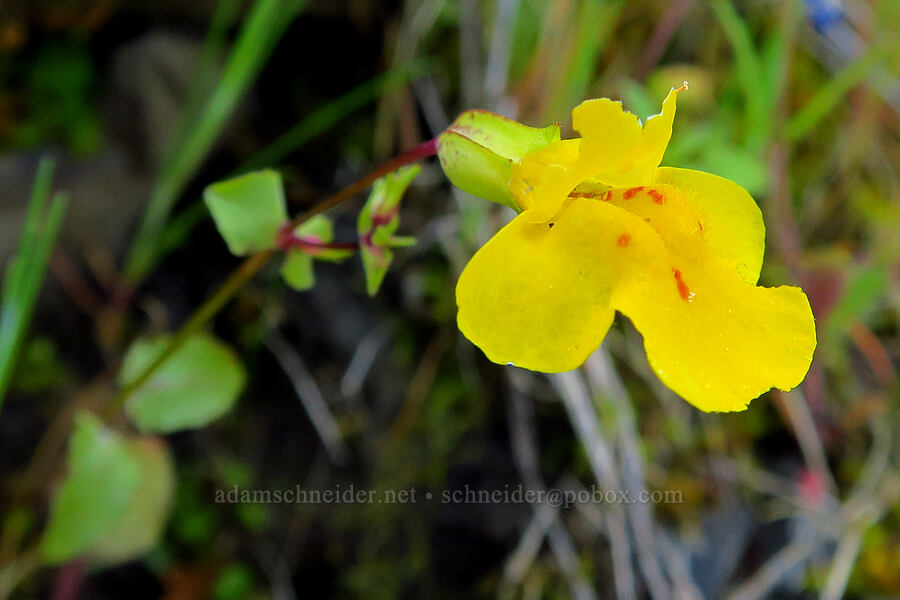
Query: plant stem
{"x": 247, "y": 269}
{"x": 240, "y": 276}
{"x": 423, "y": 150}
{"x": 287, "y": 239}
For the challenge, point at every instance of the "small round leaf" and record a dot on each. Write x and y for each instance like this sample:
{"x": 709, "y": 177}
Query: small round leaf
{"x": 199, "y": 383}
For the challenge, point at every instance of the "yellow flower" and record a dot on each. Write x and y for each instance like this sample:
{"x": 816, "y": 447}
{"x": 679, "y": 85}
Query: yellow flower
{"x": 603, "y": 228}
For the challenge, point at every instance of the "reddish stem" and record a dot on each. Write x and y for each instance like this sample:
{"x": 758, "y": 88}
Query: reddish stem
{"x": 287, "y": 239}
{"x": 68, "y": 581}
{"x": 381, "y": 219}
{"x": 423, "y": 150}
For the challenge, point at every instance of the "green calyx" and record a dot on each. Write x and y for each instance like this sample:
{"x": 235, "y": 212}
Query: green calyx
{"x": 478, "y": 150}
{"x": 377, "y": 223}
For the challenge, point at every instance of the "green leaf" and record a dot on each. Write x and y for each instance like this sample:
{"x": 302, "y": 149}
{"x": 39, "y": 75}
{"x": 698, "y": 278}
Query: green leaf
{"x": 248, "y": 210}
{"x": 479, "y": 148}
{"x": 199, "y": 383}
{"x": 297, "y": 271}
{"x": 101, "y": 483}
{"x": 377, "y": 223}
{"x": 140, "y": 529}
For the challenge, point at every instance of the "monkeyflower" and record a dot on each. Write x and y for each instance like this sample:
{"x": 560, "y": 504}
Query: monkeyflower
{"x": 603, "y": 228}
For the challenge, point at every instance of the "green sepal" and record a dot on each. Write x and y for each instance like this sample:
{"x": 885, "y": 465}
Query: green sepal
{"x": 377, "y": 223}
{"x": 297, "y": 268}
{"x": 333, "y": 254}
{"x": 402, "y": 241}
{"x": 376, "y": 261}
{"x": 478, "y": 150}
{"x": 248, "y": 210}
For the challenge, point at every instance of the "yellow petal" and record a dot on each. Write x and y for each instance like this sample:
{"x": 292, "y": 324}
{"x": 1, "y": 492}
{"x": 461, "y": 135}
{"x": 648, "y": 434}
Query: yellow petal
{"x": 658, "y": 132}
{"x": 670, "y": 213}
{"x": 732, "y": 222}
{"x": 609, "y": 133}
{"x": 614, "y": 150}
{"x": 541, "y": 297}
{"x": 710, "y": 336}
{"x": 537, "y": 295}
{"x": 542, "y": 178}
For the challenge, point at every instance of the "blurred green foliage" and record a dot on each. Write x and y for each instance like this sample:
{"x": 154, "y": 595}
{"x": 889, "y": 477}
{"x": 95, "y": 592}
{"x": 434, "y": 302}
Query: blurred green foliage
{"x": 56, "y": 89}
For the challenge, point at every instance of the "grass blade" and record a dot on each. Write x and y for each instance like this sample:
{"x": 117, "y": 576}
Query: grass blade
{"x": 829, "y": 95}
{"x": 596, "y": 22}
{"x": 325, "y": 117}
{"x": 206, "y": 74}
{"x": 748, "y": 70}
{"x": 26, "y": 270}
{"x": 267, "y": 22}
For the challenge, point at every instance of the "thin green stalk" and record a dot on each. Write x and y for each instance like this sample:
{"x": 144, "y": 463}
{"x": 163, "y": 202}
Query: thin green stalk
{"x": 240, "y": 276}
{"x": 324, "y": 118}
{"x": 267, "y": 22}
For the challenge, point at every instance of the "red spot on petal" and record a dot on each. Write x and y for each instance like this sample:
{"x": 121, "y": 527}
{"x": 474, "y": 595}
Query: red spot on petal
{"x": 700, "y": 225}
{"x": 624, "y": 240}
{"x": 657, "y": 197}
{"x": 607, "y": 195}
{"x": 683, "y": 290}
{"x": 630, "y": 193}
